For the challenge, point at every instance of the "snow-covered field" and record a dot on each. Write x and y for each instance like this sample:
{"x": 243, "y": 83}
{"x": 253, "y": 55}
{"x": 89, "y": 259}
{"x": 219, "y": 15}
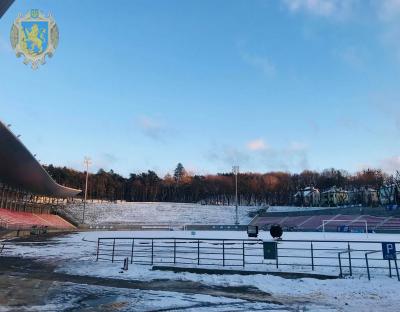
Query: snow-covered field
{"x": 159, "y": 213}
{"x": 76, "y": 255}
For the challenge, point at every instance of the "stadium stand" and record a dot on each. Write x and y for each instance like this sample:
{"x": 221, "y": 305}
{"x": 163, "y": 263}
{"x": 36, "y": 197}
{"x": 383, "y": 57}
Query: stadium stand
{"x": 4, "y": 5}
{"x": 29, "y": 196}
{"x": 335, "y": 223}
{"x": 25, "y": 220}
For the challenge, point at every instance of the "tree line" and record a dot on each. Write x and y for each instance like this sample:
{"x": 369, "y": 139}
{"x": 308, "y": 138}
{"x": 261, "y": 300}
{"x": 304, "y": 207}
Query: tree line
{"x": 273, "y": 188}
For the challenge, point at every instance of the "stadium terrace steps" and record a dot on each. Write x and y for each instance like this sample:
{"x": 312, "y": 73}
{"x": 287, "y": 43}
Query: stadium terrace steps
{"x": 23, "y": 220}
{"x": 314, "y": 223}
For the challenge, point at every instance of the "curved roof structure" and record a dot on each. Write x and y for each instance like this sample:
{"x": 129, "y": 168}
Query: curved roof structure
{"x": 4, "y": 5}
{"x": 18, "y": 167}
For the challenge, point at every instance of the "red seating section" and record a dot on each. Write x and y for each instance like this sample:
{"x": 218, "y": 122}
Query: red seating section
{"x": 314, "y": 223}
{"x": 24, "y": 220}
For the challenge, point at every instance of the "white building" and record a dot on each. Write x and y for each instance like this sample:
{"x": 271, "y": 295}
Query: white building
{"x": 308, "y": 196}
{"x": 334, "y": 197}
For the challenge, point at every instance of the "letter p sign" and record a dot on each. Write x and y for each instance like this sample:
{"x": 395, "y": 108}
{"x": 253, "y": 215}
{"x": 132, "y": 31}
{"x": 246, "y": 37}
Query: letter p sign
{"x": 389, "y": 251}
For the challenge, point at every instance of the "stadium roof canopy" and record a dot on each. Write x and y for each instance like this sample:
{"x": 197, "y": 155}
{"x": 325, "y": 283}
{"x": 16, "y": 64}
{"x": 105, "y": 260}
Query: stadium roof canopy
{"x": 19, "y": 168}
{"x": 4, "y": 5}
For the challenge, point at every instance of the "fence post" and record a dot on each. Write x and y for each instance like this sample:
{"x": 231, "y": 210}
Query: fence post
{"x": 243, "y": 252}
{"x": 152, "y": 251}
{"x": 98, "y": 246}
{"x": 340, "y": 266}
{"x": 112, "y": 259}
{"x": 277, "y": 256}
{"x": 312, "y": 256}
{"x": 133, "y": 244}
{"x": 223, "y": 253}
{"x": 366, "y": 261}
{"x": 349, "y": 251}
{"x": 198, "y": 252}
{"x": 174, "y": 250}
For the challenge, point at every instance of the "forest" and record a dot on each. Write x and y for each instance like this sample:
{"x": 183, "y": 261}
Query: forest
{"x": 273, "y": 188}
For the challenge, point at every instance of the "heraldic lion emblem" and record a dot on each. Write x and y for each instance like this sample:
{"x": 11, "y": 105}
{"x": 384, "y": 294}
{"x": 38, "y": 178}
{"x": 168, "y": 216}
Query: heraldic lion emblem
{"x": 34, "y": 36}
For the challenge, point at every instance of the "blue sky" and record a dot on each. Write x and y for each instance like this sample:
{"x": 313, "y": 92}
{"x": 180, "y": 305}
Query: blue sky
{"x": 269, "y": 85}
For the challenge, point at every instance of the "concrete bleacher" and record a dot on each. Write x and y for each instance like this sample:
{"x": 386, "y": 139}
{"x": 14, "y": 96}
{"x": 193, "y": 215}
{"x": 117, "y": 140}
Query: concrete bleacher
{"x": 24, "y": 220}
{"x": 314, "y": 223}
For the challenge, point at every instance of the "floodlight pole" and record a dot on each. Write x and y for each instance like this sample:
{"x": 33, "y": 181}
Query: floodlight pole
{"x": 235, "y": 170}
{"x": 87, "y": 162}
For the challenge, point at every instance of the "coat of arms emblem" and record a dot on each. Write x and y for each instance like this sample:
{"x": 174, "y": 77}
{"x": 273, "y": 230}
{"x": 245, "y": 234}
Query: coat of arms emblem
{"x": 34, "y": 36}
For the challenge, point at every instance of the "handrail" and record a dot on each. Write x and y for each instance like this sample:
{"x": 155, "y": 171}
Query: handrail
{"x": 241, "y": 252}
{"x": 340, "y": 261}
{"x": 366, "y": 260}
{"x": 397, "y": 268}
{"x": 256, "y": 239}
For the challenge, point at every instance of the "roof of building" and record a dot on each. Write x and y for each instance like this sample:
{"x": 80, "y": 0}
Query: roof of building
{"x": 19, "y": 168}
{"x": 308, "y": 191}
{"x": 334, "y": 189}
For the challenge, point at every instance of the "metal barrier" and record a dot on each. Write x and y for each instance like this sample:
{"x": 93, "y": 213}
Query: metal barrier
{"x": 300, "y": 254}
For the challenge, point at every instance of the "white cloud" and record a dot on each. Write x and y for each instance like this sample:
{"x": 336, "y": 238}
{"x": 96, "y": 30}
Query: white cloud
{"x": 257, "y": 145}
{"x": 389, "y": 10}
{"x": 152, "y": 128}
{"x": 318, "y": 7}
{"x": 323, "y": 8}
{"x": 263, "y": 63}
{"x": 297, "y": 146}
{"x": 384, "y": 12}
{"x": 228, "y": 155}
{"x": 105, "y": 161}
{"x": 390, "y": 38}
{"x": 292, "y": 157}
{"x": 390, "y": 164}
{"x": 352, "y": 56}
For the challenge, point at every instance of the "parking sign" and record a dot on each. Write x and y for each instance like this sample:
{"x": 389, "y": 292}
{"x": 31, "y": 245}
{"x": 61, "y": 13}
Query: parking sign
{"x": 389, "y": 251}
{"x": 270, "y": 250}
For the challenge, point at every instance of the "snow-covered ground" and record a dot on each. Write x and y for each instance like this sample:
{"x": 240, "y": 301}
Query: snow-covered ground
{"x": 76, "y": 255}
{"x": 159, "y": 213}
{"x": 143, "y": 300}
{"x": 83, "y": 245}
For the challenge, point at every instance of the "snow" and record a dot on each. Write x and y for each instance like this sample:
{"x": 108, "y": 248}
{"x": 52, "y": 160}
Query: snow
{"x": 159, "y": 213}
{"x": 82, "y": 245}
{"x": 75, "y": 297}
{"x": 75, "y": 254}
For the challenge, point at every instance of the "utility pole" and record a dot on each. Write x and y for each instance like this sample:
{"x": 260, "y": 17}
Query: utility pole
{"x": 87, "y": 161}
{"x": 235, "y": 170}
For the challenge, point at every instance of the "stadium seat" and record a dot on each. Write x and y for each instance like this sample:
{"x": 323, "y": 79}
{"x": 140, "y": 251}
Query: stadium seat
{"x": 23, "y": 220}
